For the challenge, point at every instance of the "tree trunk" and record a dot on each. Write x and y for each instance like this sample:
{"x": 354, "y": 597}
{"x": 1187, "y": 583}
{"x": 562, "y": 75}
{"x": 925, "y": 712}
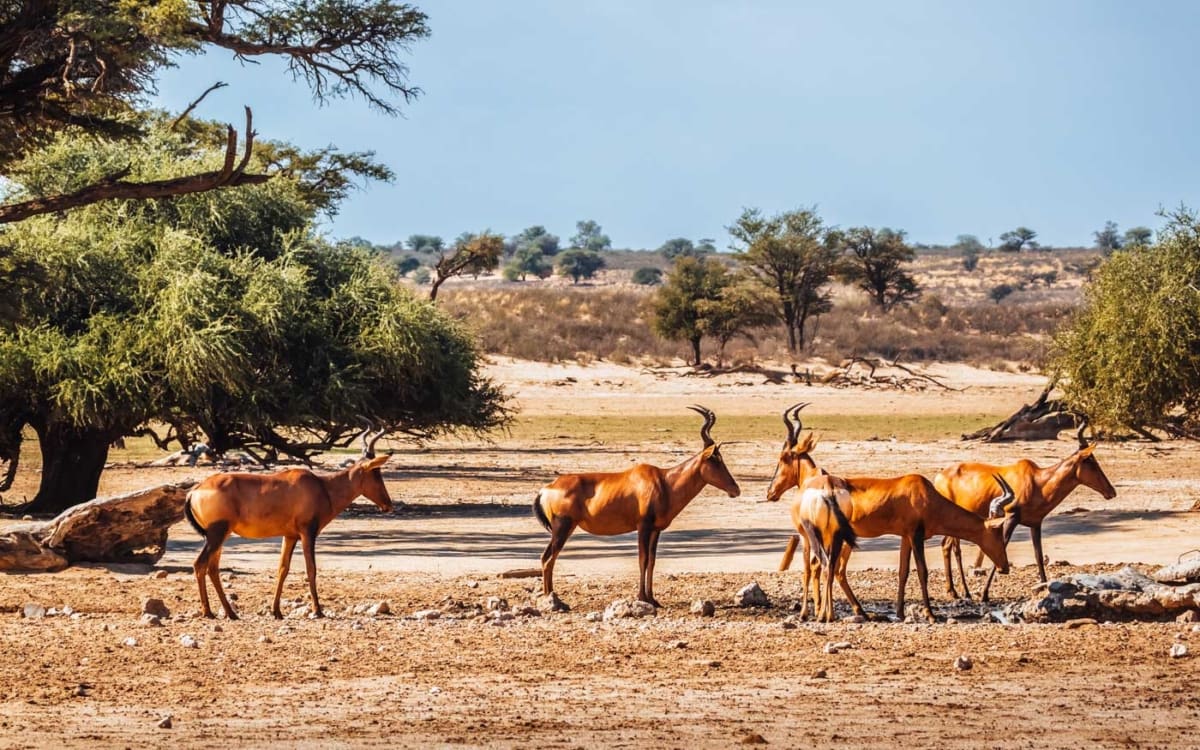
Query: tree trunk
{"x": 696, "y": 351}
{"x": 789, "y": 322}
{"x": 433, "y": 289}
{"x": 71, "y": 464}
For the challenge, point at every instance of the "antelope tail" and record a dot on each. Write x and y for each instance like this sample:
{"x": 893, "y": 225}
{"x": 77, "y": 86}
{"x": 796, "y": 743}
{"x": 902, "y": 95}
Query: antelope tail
{"x": 191, "y": 517}
{"x": 789, "y": 552}
{"x": 540, "y": 513}
{"x": 844, "y": 529}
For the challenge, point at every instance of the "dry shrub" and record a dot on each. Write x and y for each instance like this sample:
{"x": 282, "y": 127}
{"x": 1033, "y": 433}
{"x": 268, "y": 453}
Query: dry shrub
{"x": 613, "y": 324}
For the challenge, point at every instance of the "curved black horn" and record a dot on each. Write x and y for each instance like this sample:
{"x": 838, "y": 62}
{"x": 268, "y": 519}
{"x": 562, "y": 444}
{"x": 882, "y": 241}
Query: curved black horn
{"x": 792, "y": 432}
{"x": 1083, "y": 423}
{"x": 709, "y": 420}
{"x": 796, "y": 416}
{"x": 999, "y": 504}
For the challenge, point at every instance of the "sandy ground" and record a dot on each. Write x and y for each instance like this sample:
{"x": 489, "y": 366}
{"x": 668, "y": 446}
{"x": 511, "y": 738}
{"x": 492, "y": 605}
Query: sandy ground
{"x": 562, "y": 680}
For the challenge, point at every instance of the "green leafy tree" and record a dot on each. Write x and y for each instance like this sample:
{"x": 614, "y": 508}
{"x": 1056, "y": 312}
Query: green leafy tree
{"x": 219, "y": 314}
{"x": 1129, "y": 358}
{"x": 426, "y": 243}
{"x": 680, "y": 303}
{"x": 527, "y": 261}
{"x": 1108, "y": 239}
{"x": 677, "y": 248}
{"x": 1021, "y": 238}
{"x": 90, "y": 66}
{"x": 1137, "y": 236}
{"x": 875, "y": 261}
{"x": 470, "y": 254}
{"x": 588, "y": 236}
{"x": 579, "y": 264}
{"x": 647, "y": 276}
{"x": 407, "y": 265}
{"x": 533, "y": 238}
{"x": 738, "y": 311}
{"x": 792, "y": 259}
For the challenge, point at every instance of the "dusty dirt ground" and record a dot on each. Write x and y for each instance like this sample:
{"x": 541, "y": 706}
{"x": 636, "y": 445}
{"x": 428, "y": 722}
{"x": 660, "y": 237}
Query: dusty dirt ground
{"x": 674, "y": 680}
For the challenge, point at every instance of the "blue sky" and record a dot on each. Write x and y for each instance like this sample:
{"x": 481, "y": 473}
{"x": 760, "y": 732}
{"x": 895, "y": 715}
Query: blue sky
{"x": 661, "y": 119}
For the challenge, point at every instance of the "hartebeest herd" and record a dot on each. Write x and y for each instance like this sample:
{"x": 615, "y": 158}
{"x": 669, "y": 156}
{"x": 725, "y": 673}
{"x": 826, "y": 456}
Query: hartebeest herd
{"x": 977, "y": 502}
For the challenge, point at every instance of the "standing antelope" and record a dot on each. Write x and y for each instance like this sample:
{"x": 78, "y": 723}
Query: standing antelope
{"x": 295, "y": 504}
{"x": 643, "y": 498}
{"x": 832, "y": 512}
{"x": 1038, "y": 492}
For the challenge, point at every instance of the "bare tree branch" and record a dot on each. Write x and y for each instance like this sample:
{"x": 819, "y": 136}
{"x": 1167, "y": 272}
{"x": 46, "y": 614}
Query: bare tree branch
{"x": 183, "y": 115}
{"x": 113, "y": 187}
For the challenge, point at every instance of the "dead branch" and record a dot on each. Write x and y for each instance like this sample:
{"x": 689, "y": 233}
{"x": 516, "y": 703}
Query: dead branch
{"x": 115, "y": 187}
{"x": 188, "y": 110}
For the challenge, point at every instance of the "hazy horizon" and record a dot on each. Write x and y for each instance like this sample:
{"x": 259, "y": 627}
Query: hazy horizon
{"x": 664, "y": 120}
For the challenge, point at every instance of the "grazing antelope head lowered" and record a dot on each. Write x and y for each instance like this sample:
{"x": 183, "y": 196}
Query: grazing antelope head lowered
{"x": 795, "y": 465}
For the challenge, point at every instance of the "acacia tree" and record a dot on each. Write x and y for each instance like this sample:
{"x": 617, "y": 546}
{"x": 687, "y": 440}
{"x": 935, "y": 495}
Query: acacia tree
{"x": 589, "y": 236}
{"x": 791, "y": 257}
{"x": 1108, "y": 239}
{"x": 1018, "y": 239}
{"x": 1129, "y": 358}
{"x": 220, "y": 315}
{"x": 700, "y": 298}
{"x": 471, "y": 253}
{"x": 579, "y": 264}
{"x": 88, "y": 66}
{"x": 875, "y": 262}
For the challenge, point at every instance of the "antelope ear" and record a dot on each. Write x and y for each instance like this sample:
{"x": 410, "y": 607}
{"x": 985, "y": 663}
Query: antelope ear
{"x": 375, "y": 463}
{"x": 1085, "y": 452}
{"x": 994, "y": 523}
{"x": 807, "y": 443}
{"x": 707, "y": 452}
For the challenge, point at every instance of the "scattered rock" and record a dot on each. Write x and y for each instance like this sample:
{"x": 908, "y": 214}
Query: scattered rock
{"x": 150, "y": 621}
{"x": 551, "y": 603}
{"x": 434, "y": 690}
{"x": 427, "y": 614}
{"x": 68, "y": 610}
{"x": 264, "y": 639}
{"x": 753, "y": 739}
{"x": 1079, "y": 622}
{"x": 472, "y": 584}
{"x": 216, "y": 628}
{"x": 704, "y": 608}
{"x": 156, "y": 607}
{"x": 165, "y": 722}
{"x": 129, "y": 642}
{"x": 622, "y": 608}
{"x": 379, "y": 608}
{"x": 820, "y": 674}
{"x": 1192, "y": 615}
{"x": 33, "y": 611}
{"x": 493, "y": 603}
{"x": 833, "y": 648}
{"x": 751, "y": 595}
{"x": 677, "y": 644}
{"x": 963, "y": 663}
{"x": 188, "y": 641}
{"x": 528, "y": 611}
{"x": 790, "y": 623}
{"x": 499, "y": 615}
{"x": 594, "y": 617}
{"x": 951, "y": 621}
{"x": 859, "y": 619}
{"x": 80, "y": 690}
{"x": 159, "y": 574}
{"x": 1178, "y": 651}
{"x": 1187, "y": 571}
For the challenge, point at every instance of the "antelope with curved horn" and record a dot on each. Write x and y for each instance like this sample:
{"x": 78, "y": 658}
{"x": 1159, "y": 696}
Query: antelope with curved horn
{"x": 835, "y": 511}
{"x": 643, "y": 498}
{"x": 295, "y": 504}
{"x": 1038, "y": 491}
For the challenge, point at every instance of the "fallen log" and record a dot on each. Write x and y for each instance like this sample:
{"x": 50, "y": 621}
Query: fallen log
{"x": 129, "y": 528}
{"x": 1041, "y": 420}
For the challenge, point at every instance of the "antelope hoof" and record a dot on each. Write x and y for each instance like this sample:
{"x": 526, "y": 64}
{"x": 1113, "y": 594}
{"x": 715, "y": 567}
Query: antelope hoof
{"x": 231, "y": 615}
{"x": 317, "y": 615}
{"x": 208, "y": 615}
{"x": 929, "y": 617}
{"x": 278, "y": 615}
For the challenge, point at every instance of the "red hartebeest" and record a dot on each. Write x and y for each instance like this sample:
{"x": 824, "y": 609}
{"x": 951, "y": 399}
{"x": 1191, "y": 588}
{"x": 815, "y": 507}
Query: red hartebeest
{"x": 1038, "y": 492}
{"x": 643, "y": 498}
{"x": 832, "y": 512}
{"x": 295, "y": 504}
